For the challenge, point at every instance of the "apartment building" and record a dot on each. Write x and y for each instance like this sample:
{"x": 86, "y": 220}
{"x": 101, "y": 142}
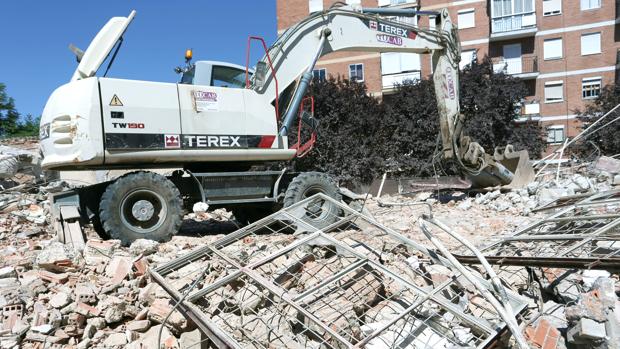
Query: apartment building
{"x": 563, "y": 50}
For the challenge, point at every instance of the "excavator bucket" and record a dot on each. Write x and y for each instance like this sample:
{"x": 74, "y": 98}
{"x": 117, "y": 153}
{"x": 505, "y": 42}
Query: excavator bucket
{"x": 507, "y": 168}
{"x": 518, "y": 162}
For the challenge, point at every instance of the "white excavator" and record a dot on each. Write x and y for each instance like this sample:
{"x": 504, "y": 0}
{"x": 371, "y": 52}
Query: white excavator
{"x": 221, "y": 120}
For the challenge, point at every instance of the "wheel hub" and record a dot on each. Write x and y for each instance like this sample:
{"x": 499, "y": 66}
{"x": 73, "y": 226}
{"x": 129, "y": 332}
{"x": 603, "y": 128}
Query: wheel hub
{"x": 315, "y": 209}
{"x": 143, "y": 210}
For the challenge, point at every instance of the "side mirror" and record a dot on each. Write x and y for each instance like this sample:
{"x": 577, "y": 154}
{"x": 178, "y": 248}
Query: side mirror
{"x": 259, "y": 74}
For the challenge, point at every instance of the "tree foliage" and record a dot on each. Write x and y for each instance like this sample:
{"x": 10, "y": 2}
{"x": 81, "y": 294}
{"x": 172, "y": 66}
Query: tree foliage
{"x": 11, "y": 125}
{"x": 407, "y": 135}
{"x": 360, "y": 137}
{"x": 348, "y": 122}
{"x": 605, "y": 135}
{"x": 489, "y": 103}
{"x": 9, "y": 117}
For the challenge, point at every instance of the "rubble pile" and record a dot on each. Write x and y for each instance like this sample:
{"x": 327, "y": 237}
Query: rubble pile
{"x": 19, "y": 162}
{"x": 103, "y": 295}
{"x": 599, "y": 176}
{"x": 582, "y": 310}
{"x": 98, "y": 297}
{"x": 307, "y": 291}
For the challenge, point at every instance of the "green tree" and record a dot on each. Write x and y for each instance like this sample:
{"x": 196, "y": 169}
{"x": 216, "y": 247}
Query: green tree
{"x": 360, "y": 137}
{"x": 605, "y": 135}
{"x": 29, "y": 127}
{"x": 348, "y": 118}
{"x": 488, "y": 101}
{"x": 9, "y": 117}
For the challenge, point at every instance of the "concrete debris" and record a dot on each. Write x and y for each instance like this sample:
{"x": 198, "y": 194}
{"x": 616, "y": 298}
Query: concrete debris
{"x": 14, "y": 159}
{"x": 608, "y": 164}
{"x": 200, "y": 207}
{"x": 143, "y": 247}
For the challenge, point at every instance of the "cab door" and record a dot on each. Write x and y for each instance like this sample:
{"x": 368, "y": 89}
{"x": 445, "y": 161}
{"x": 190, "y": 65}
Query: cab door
{"x": 212, "y": 116}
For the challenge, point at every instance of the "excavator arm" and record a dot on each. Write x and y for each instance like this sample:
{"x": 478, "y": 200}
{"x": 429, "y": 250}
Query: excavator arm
{"x": 349, "y": 28}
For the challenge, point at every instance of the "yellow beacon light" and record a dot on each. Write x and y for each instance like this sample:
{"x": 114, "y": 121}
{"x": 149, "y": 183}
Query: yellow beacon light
{"x": 188, "y": 54}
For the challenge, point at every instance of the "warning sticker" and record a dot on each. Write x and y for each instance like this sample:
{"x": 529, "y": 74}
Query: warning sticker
{"x": 206, "y": 101}
{"x": 116, "y": 102}
{"x": 172, "y": 141}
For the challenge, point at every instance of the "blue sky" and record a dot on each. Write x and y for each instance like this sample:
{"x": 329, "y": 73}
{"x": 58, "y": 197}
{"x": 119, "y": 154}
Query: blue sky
{"x": 35, "y": 58}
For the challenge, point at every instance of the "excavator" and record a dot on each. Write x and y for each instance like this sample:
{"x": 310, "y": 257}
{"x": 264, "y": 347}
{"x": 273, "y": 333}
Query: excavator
{"x": 221, "y": 120}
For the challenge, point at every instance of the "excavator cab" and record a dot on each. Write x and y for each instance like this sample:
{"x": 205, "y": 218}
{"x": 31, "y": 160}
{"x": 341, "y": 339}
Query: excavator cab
{"x": 213, "y": 73}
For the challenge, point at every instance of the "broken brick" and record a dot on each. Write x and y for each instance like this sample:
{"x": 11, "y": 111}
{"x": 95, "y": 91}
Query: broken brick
{"x": 87, "y": 310}
{"x": 544, "y": 335}
{"x": 140, "y": 266}
{"x": 10, "y": 315}
{"x": 118, "y": 269}
{"x": 49, "y": 276}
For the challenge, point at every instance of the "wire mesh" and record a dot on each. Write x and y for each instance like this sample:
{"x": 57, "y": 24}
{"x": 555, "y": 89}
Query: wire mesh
{"x": 568, "y": 200}
{"x": 321, "y": 275}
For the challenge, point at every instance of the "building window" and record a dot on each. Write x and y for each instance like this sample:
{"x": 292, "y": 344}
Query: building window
{"x": 508, "y": 15}
{"x": 319, "y": 74}
{"x": 467, "y": 57}
{"x": 354, "y": 2}
{"x": 590, "y": 88}
{"x": 552, "y": 7}
{"x": 554, "y": 91}
{"x": 432, "y": 22}
{"x": 555, "y": 134}
{"x": 394, "y": 2}
{"x": 404, "y": 20}
{"x": 466, "y": 18}
{"x": 315, "y": 5}
{"x": 552, "y": 48}
{"x": 396, "y": 63}
{"x": 356, "y": 72}
{"x": 590, "y": 4}
{"x": 590, "y": 44}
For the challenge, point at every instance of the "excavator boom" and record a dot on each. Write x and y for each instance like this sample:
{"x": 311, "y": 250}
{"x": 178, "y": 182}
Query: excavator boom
{"x": 347, "y": 28}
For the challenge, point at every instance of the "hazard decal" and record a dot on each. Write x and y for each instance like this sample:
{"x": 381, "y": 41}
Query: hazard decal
{"x": 116, "y": 102}
{"x": 172, "y": 141}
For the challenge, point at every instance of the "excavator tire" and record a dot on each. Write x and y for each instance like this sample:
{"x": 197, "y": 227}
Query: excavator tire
{"x": 321, "y": 213}
{"x": 141, "y": 205}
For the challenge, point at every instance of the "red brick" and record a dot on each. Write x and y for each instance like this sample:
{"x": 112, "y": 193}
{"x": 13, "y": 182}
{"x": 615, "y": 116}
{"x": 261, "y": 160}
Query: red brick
{"x": 48, "y": 276}
{"x": 87, "y": 310}
{"x": 140, "y": 266}
{"x": 545, "y": 336}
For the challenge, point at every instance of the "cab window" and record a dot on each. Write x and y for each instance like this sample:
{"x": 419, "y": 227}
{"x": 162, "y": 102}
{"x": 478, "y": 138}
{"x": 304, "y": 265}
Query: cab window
{"x": 222, "y": 76}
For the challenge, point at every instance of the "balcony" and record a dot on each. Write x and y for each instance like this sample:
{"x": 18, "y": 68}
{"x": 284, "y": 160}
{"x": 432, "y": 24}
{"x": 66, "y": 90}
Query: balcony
{"x": 389, "y": 81}
{"x": 513, "y": 26}
{"x": 529, "y": 111}
{"x": 524, "y": 67}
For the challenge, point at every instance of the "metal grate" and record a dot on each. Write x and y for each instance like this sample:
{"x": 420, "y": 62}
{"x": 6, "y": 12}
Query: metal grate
{"x": 586, "y": 229}
{"x": 582, "y": 235}
{"x": 568, "y": 200}
{"x": 282, "y": 282}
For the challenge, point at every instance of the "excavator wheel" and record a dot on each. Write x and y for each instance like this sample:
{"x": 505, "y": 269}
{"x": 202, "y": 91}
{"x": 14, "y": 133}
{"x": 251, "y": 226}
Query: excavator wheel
{"x": 141, "y": 205}
{"x": 319, "y": 213}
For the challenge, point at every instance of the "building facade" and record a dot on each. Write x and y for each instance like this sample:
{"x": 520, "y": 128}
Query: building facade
{"x": 565, "y": 51}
